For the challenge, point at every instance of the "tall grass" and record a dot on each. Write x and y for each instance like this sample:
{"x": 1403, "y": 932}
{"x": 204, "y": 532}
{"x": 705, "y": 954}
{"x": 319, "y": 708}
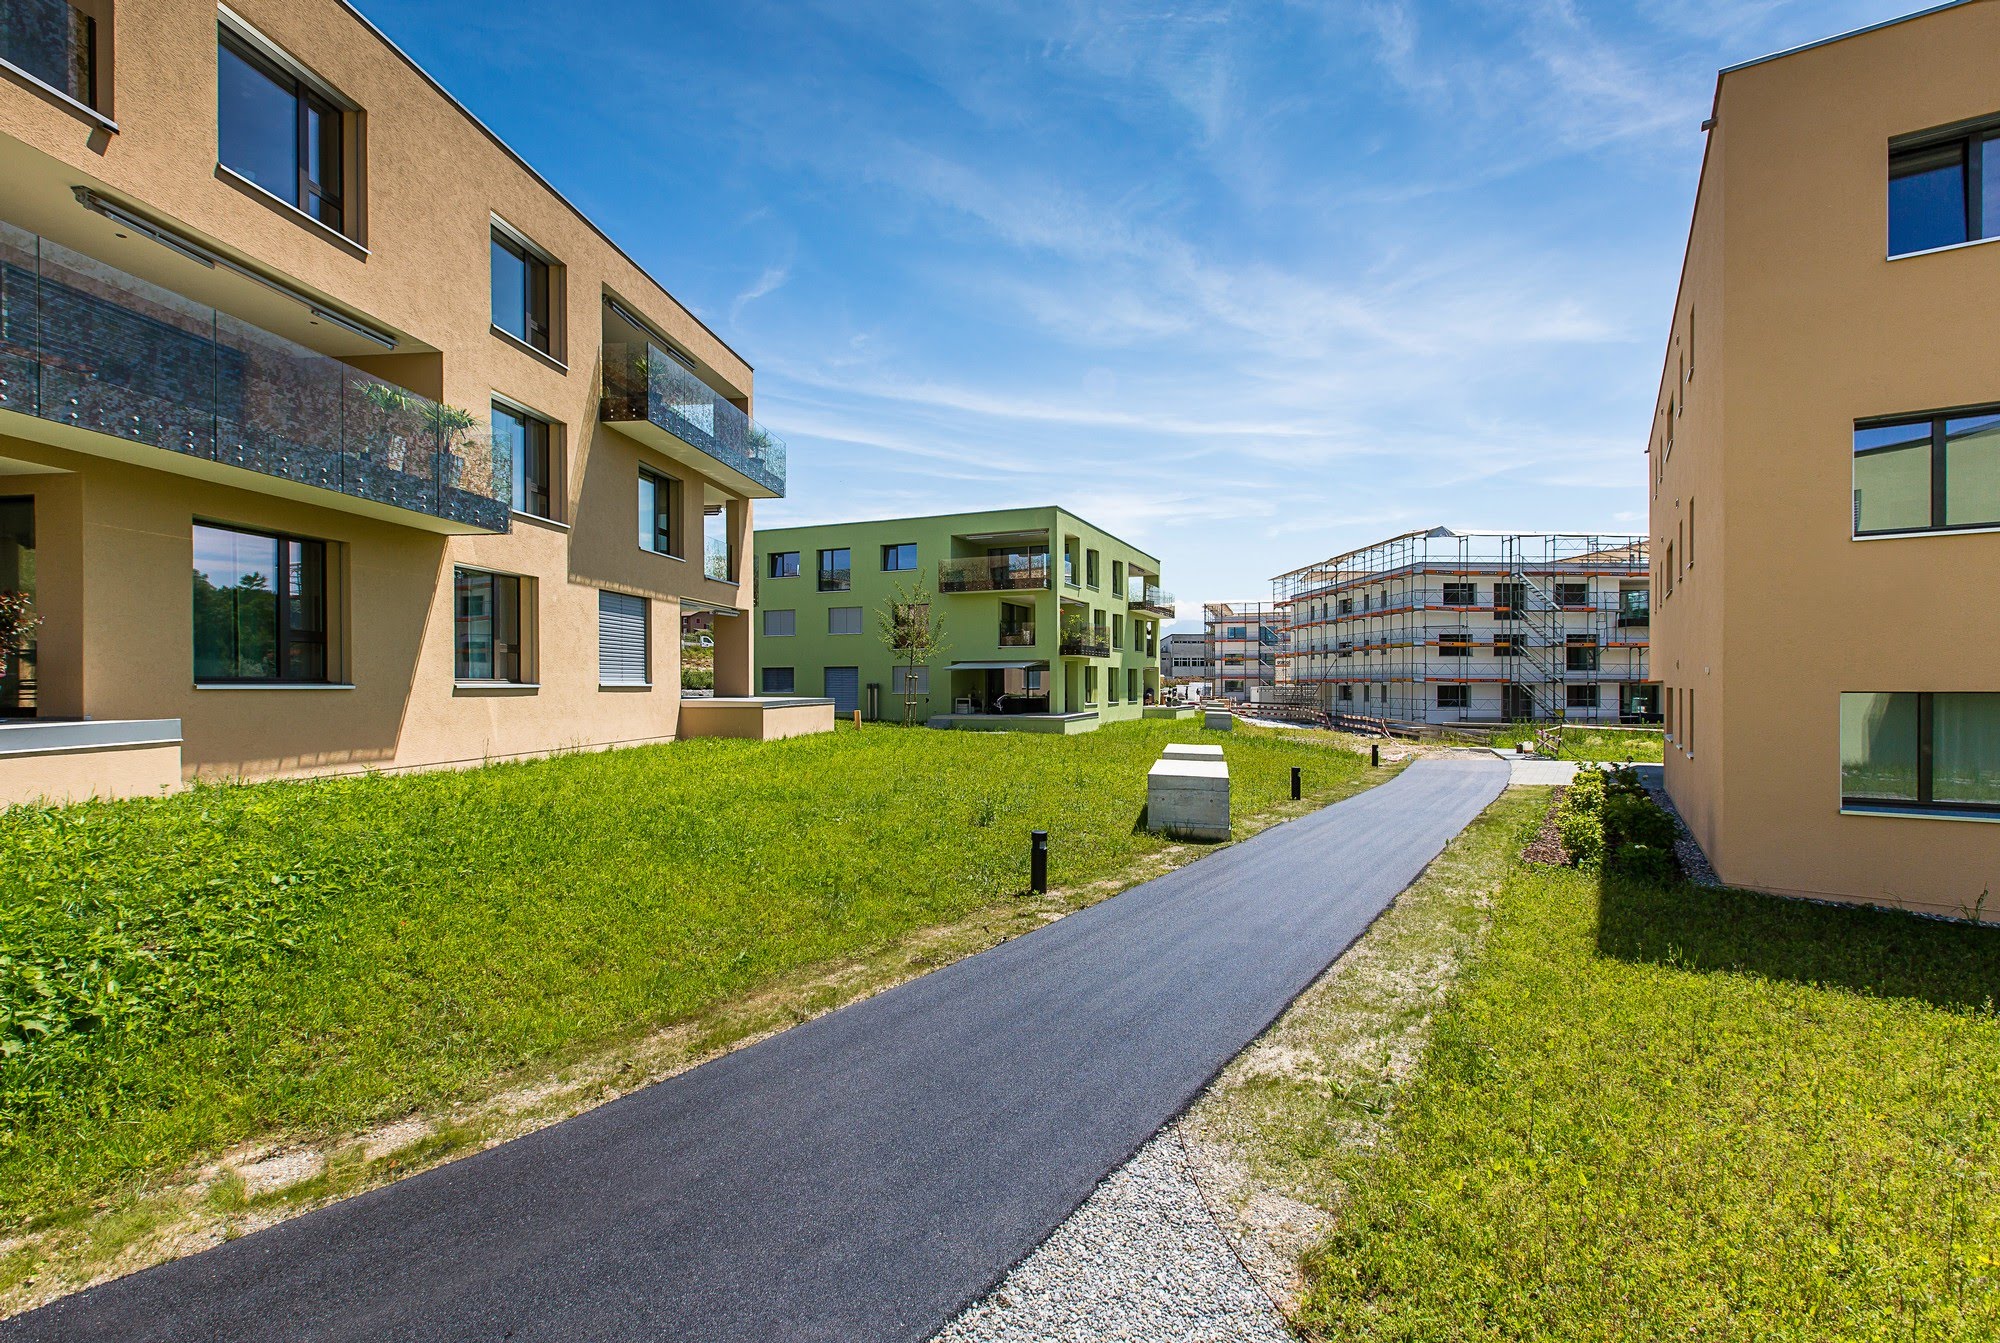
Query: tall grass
{"x": 305, "y": 958}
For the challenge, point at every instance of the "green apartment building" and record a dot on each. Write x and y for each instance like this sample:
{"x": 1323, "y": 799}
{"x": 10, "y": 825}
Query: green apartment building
{"x": 1050, "y": 624}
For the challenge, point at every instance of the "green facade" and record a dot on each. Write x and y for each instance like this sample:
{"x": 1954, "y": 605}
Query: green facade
{"x": 1066, "y": 616}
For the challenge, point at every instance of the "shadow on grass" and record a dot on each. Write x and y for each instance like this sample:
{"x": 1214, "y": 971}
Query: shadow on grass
{"x": 1875, "y": 952}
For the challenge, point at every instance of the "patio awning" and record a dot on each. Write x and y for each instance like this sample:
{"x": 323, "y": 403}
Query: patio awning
{"x": 998, "y": 666}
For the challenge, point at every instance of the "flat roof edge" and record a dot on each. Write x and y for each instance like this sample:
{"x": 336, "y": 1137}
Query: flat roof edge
{"x": 1842, "y": 37}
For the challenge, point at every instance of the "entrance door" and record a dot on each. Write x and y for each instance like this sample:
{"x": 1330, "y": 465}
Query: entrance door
{"x": 17, "y": 574}
{"x": 1516, "y": 702}
{"x": 843, "y": 687}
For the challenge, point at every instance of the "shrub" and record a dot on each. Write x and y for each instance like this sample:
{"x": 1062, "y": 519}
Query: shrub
{"x": 1582, "y": 836}
{"x": 1645, "y": 862}
{"x": 1636, "y": 820}
{"x": 697, "y": 678}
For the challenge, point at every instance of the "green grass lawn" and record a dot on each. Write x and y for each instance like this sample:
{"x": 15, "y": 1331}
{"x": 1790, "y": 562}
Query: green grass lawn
{"x": 302, "y": 959}
{"x": 1622, "y": 745}
{"x": 1681, "y": 1113}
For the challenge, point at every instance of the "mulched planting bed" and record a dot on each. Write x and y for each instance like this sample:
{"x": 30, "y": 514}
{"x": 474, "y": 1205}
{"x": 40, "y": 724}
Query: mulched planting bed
{"x": 1546, "y": 848}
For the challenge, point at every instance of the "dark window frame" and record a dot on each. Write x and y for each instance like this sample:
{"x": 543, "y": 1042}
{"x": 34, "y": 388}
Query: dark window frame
{"x": 1940, "y": 455}
{"x": 526, "y": 491}
{"x": 894, "y": 550}
{"x": 516, "y": 656}
{"x": 773, "y": 566}
{"x": 284, "y": 635}
{"x": 672, "y": 512}
{"x": 1969, "y": 139}
{"x": 844, "y": 583}
{"x": 306, "y": 101}
{"x": 538, "y": 282}
{"x": 1461, "y": 697}
{"x": 791, "y": 681}
{"x": 1595, "y": 699}
{"x": 1926, "y": 783}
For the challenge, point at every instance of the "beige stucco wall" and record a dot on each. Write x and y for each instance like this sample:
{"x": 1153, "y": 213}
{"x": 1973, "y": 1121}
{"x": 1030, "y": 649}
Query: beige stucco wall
{"x": 72, "y": 776}
{"x": 115, "y": 537}
{"x": 755, "y": 720}
{"x": 1785, "y": 609}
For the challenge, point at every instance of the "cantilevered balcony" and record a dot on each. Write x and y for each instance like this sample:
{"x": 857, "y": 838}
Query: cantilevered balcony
{"x": 1086, "y": 641}
{"x": 1153, "y": 601}
{"x": 657, "y": 399}
{"x": 101, "y": 362}
{"x": 995, "y": 573}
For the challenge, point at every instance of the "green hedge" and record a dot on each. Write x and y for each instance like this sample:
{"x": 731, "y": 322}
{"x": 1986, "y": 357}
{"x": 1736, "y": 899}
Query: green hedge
{"x": 1608, "y": 821}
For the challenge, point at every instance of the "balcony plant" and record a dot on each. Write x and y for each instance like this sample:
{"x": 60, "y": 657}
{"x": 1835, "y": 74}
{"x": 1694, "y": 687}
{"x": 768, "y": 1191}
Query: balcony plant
{"x": 447, "y": 425}
{"x": 912, "y": 629}
{"x": 18, "y": 623}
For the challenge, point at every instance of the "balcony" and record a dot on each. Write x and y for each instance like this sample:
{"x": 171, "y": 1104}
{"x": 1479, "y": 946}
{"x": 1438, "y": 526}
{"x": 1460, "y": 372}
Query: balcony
{"x": 1086, "y": 641}
{"x": 52, "y": 42}
{"x": 99, "y": 361}
{"x": 994, "y": 573}
{"x": 1020, "y": 638}
{"x": 658, "y": 400}
{"x": 1153, "y": 601}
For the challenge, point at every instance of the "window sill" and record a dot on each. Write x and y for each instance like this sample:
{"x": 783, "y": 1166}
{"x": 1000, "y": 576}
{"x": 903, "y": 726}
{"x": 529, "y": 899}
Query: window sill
{"x": 536, "y": 518}
{"x": 76, "y": 105}
{"x": 509, "y": 338}
{"x": 624, "y": 685}
{"x": 1948, "y": 247}
{"x": 495, "y": 687}
{"x": 1930, "y": 531}
{"x": 274, "y": 685}
{"x": 1923, "y": 814}
{"x": 663, "y": 554}
{"x": 268, "y": 197}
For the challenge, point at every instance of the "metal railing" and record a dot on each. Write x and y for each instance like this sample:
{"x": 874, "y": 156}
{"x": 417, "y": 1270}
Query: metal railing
{"x": 644, "y": 382}
{"x": 994, "y": 573}
{"x": 1090, "y": 641}
{"x": 85, "y": 344}
{"x": 53, "y": 41}
{"x": 1017, "y": 638}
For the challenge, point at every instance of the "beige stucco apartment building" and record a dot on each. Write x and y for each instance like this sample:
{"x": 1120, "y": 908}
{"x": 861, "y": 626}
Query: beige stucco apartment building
{"x": 331, "y": 437}
{"x": 1824, "y": 474}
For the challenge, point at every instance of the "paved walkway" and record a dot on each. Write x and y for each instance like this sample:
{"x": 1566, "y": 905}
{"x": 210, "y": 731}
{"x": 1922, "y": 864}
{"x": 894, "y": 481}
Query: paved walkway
{"x": 863, "y": 1176}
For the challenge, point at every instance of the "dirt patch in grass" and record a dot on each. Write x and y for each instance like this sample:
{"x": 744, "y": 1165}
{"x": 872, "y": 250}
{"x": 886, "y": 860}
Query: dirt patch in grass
{"x": 1546, "y": 847}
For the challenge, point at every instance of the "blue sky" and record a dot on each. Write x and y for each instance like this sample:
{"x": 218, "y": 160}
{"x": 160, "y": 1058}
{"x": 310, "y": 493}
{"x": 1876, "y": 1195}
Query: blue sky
{"x": 1273, "y": 280}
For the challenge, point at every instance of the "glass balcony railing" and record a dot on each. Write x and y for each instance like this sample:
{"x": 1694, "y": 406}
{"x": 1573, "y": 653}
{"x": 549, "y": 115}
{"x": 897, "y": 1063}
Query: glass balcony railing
{"x": 53, "y": 41}
{"x": 642, "y": 382}
{"x": 994, "y": 573}
{"x": 715, "y": 559}
{"x": 1086, "y": 641}
{"x": 85, "y": 344}
{"x": 1153, "y": 600}
{"x": 1021, "y": 638}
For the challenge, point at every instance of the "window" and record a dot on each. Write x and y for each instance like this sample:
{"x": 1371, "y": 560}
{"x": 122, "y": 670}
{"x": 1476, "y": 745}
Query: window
{"x": 527, "y": 440}
{"x": 1572, "y": 594}
{"x": 1689, "y": 560}
{"x": 624, "y": 642}
{"x": 1454, "y": 644}
{"x": 260, "y": 607}
{"x": 909, "y": 680}
{"x": 1347, "y": 692}
{"x": 1017, "y": 625}
{"x": 780, "y": 624}
{"x": 1117, "y": 631}
{"x": 1506, "y": 645}
{"x": 487, "y": 640}
{"x": 836, "y": 570}
{"x": 1132, "y": 684}
{"x": 1118, "y": 575}
{"x": 1583, "y": 697}
{"x": 1347, "y": 606}
{"x": 778, "y": 681}
{"x": 1932, "y": 474}
{"x": 1580, "y": 652}
{"x": 521, "y": 292}
{"x": 1461, "y": 594}
{"x": 1090, "y": 685}
{"x": 659, "y": 513}
{"x": 1943, "y": 191}
{"x": 783, "y": 564}
{"x": 718, "y": 546}
{"x": 1454, "y": 697}
{"x": 1937, "y": 751}
{"x": 843, "y": 620}
{"x": 1508, "y": 598}
{"x": 276, "y": 132}
{"x": 56, "y": 44}
{"x": 899, "y": 559}
{"x": 1090, "y": 567}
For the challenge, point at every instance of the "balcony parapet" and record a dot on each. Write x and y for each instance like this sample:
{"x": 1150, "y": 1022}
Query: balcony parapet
{"x": 644, "y": 385}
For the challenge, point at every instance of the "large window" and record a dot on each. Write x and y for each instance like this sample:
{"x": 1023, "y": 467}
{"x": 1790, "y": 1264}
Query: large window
{"x": 277, "y": 132}
{"x": 55, "y": 42}
{"x": 843, "y": 620}
{"x": 784, "y": 564}
{"x": 1582, "y": 696}
{"x": 1944, "y": 191}
{"x": 659, "y": 513}
{"x": 1580, "y": 652}
{"x": 1454, "y": 697}
{"x": 836, "y": 570}
{"x": 521, "y": 292}
{"x": 780, "y": 624}
{"x": 260, "y": 608}
{"x": 778, "y": 680}
{"x": 527, "y": 439}
{"x": 1931, "y": 474}
{"x": 624, "y": 640}
{"x": 487, "y": 641}
{"x": 1461, "y": 594}
{"x": 899, "y": 558}
{"x": 1909, "y": 749}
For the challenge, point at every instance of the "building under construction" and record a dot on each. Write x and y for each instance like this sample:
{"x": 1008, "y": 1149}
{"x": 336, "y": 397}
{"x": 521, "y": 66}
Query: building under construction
{"x": 1446, "y": 626}
{"x": 1245, "y": 640}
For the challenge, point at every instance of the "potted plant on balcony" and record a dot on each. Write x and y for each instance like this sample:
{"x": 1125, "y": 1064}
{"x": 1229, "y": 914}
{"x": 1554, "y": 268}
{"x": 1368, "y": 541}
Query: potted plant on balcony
{"x": 1075, "y": 628}
{"x": 912, "y": 628}
{"x": 445, "y": 425}
{"x": 18, "y": 623}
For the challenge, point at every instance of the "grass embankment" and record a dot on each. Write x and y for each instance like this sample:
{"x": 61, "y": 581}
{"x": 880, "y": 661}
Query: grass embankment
{"x": 1619, "y": 746}
{"x": 304, "y": 959}
{"x": 1662, "y": 1111}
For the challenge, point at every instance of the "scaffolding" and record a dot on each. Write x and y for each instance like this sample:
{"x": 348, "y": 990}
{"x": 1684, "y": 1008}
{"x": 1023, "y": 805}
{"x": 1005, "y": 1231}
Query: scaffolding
{"x": 1246, "y": 642}
{"x": 1445, "y": 626}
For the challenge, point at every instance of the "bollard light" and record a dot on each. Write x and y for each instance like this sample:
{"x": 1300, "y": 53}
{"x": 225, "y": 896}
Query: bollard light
{"x": 1295, "y": 783}
{"x": 1375, "y": 754}
{"x": 1038, "y": 861}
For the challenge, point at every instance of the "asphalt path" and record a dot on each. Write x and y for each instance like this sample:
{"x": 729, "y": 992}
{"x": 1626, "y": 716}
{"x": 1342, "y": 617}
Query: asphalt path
{"x": 862, "y": 1176}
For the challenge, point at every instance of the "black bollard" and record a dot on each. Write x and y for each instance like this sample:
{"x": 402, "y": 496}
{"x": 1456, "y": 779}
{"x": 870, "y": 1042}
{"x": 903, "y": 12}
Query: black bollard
{"x": 1038, "y": 861}
{"x": 1375, "y": 754}
{"x": 1295, "y": 783}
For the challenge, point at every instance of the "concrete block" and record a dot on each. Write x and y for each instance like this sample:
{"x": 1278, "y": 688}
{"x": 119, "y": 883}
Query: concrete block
{"x": 1178, "y": 751}
{"x": 1218, "y": 720}
{"x": 1188, "y": 799}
